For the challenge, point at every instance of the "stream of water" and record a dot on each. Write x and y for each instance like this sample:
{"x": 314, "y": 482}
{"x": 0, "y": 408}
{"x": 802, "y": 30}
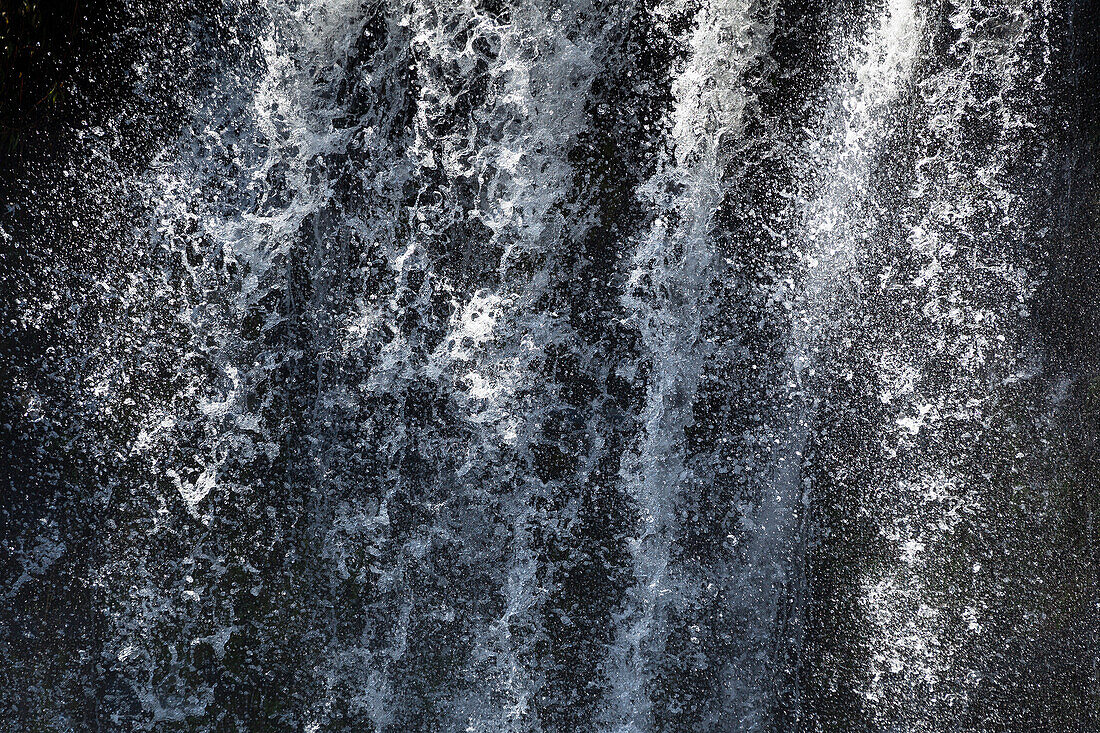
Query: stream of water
{"x": 562, "y": 365}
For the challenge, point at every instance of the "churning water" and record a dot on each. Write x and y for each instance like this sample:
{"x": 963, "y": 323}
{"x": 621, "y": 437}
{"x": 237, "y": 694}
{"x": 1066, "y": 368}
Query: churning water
{"x": 560, "y": 365}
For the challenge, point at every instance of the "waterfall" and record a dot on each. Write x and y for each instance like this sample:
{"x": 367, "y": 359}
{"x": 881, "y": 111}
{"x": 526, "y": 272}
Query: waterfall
{"x": 672, "y": 268}
{"x": 547, "y": 365}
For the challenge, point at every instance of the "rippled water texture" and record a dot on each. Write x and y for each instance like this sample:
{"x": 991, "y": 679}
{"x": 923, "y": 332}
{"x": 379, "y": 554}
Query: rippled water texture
{"x": 553, "y": 365}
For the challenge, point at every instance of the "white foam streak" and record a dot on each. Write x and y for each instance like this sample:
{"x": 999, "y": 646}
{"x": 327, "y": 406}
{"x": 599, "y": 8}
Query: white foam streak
{"x": 669, "y": 284}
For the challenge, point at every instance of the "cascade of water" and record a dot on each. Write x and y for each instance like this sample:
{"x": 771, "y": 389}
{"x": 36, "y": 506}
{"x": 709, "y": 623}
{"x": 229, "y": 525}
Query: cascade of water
{"x": 952, "y": 355}
{"x": 668, "y": 289}
{"x": 477, "y": 129}
{"x": 832, "y": 214}
{"x": 232, "y": 198}
{"x": 468, "y": 365}
{"x": 506, "y": 171}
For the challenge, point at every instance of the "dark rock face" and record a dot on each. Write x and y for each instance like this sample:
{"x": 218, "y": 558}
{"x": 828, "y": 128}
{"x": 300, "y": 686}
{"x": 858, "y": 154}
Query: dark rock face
{"x": 726, "y": 365}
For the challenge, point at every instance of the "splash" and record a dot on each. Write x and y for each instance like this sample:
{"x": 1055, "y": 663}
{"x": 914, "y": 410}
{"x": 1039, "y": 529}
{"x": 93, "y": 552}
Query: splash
{"x": 466, "y": 365}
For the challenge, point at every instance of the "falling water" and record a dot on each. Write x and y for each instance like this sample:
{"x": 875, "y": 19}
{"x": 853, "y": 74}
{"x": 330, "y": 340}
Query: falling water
{"x": 461, "y": 365}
